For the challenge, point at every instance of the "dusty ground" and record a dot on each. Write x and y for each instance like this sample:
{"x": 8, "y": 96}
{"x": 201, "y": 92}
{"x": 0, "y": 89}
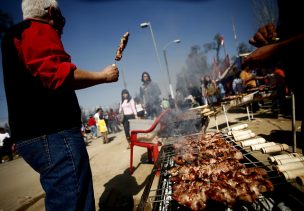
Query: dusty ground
{"x": 116, "y": 189}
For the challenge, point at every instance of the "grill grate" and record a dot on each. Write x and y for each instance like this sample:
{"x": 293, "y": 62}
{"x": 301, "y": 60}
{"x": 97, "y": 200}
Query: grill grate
{"x": 161, "y": 198}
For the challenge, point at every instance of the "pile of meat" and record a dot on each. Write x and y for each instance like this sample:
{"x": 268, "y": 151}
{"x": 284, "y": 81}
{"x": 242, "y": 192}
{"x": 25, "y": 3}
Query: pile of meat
{"x": 209, "y": 169}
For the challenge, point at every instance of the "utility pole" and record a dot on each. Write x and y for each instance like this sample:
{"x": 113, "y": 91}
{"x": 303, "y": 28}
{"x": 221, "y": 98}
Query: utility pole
{"x": 235, "y": 37}
{"x": 124, "y": 78}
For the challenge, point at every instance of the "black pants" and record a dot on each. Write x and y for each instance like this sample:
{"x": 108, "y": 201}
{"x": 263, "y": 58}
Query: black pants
{"x": 6, "y": 150}
{"x": 153, "y": 111}
{"x": 126, "y": 125}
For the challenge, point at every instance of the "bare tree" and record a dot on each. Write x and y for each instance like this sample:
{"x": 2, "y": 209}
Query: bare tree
{"x": 216, "y": 45}
{"x": 266, "y": 11}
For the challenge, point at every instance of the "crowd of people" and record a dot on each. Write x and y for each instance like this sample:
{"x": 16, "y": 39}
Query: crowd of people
{"x": 101, "y": 123}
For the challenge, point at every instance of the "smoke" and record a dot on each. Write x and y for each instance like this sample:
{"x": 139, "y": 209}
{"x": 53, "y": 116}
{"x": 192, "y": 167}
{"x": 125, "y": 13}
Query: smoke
{"x": 178, "y": 123}
{"x": 196, "y": 67}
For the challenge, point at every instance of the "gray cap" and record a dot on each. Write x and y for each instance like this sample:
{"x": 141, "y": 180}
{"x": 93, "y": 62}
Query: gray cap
{"x": 36, "y": 8}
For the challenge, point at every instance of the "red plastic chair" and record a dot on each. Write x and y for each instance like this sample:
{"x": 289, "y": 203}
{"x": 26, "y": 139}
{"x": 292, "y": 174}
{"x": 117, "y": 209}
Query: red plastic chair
{"x": 151, "y": 147}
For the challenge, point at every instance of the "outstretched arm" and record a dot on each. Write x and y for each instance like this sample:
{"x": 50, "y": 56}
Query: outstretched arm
{"x": 84, "y": 79}
{"x": 276, "y": 50}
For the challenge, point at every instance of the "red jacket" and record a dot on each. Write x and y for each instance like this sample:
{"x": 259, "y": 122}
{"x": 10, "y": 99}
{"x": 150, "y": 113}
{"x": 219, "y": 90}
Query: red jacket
{"x": 91, "y": 121}
{"x": 37, "y": 74}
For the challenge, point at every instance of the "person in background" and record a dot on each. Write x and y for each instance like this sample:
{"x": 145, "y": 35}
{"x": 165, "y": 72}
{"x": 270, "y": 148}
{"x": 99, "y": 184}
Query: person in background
{"x": 171, "y": 102}
{"x": 112, "y": 121}
{"x": 92, "y": 126}
{"x": 127, "y": 108}
{"x": 210, "y": 90}
{"x": 250, "y": 83}
{"x": 237, "y": 84}
{"x": 117, "y": 119}
{"x": 165, "y": 104}
{"x": 282, "y": 43}
{"x": 5, "y": 145}
{"x": 249, "y": 79}
{"x": 278, "y": 91}
{"x": 139, "y": 108}
{"x": 203, "y": 91}
{"x": 39, "y": 75}
{"x": 150, "y": 96}
{"x": 105, "y": 116}
{"x": 103, "y": 129}
{"x": 195, "y": 93}
{"x": 97, "y": 115}
{"x": 190, "y": 102}
{"x": 221, "y": 91}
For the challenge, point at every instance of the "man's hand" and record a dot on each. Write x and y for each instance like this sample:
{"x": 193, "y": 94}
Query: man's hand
{"x": 111, "y": 73}
{"x": 265, "y": 35}
{"x": 262, "y": 56}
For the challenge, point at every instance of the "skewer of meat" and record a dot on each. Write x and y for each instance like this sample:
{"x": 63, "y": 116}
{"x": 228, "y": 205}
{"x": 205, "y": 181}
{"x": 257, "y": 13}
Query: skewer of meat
{"x": 123, "y": 43}
{"x": 207, "y": 168}
{"x": 244, "y": 185}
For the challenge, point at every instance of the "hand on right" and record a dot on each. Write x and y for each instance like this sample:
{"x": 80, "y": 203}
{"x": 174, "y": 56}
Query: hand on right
{"x": 262, "y": 56}
{"x": 111, "y": 73}
{"x": 265, "y": 35}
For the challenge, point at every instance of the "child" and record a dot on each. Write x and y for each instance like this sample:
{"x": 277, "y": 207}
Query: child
{"x": 103, "y": 130}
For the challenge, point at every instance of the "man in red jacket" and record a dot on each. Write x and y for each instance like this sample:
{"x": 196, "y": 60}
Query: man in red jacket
{"x": 40, "y": 77}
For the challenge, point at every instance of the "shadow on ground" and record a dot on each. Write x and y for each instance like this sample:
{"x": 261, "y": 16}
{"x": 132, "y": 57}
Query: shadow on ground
{"x": 283, "y": 137}
{"x": 119, "y": 192}
{"x": 111, "y": 138}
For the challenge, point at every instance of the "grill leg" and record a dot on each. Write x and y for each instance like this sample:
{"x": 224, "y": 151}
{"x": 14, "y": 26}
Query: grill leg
{"x": 131, "y": 159}
{"x": 149, "y": 154}
{"x": 217, "y": 128}
{"x": 225, "y": 113}
{"x": 293, "y": 123}
{"x": 248, "y": 113}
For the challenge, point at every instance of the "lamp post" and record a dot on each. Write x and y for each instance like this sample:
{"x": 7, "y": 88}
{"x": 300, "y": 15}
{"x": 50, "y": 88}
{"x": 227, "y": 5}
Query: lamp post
{"x": 166, "y": 61}
{"x": 148, "y": 24}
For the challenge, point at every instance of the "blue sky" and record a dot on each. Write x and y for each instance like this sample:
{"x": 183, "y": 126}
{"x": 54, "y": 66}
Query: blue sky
{"x": 94, "y": 28}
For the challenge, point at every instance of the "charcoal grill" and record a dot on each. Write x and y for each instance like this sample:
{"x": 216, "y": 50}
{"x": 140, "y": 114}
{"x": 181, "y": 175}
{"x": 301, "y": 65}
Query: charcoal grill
{"x": 160, "y": 199}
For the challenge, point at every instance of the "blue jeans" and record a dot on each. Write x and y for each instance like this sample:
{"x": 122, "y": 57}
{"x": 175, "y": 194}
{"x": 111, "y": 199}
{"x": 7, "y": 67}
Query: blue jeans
{"x": 62, "y": 161}
{"x": 93, "y": 129}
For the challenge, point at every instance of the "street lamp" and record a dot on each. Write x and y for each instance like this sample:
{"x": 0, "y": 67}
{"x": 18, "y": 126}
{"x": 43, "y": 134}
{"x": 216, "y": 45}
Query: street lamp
{"x": 166, "y": 61}
{"x": 148, "y": 24}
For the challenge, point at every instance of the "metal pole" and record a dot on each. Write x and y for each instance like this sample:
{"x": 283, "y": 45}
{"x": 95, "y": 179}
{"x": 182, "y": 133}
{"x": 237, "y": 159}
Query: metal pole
{"x": 248, "y": 113}
{"x": 294, "y": 130}
{"x": 169, "y": 78}
{"x": 155, "y": 47}
{"x": 123, "y": 78}
{"x": 227, "y": 122}
{"x": 235, "y": 38}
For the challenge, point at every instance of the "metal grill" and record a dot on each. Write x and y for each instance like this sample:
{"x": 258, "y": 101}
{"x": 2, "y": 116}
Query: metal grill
{"x": 161, "y": 198}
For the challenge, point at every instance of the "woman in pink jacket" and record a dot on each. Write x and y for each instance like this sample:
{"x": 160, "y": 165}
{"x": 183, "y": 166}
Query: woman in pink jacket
{"x": 127, "y": 108}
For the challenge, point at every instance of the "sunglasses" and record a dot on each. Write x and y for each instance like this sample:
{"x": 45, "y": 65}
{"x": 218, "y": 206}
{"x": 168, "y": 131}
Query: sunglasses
{"x": 56, "y": 15}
